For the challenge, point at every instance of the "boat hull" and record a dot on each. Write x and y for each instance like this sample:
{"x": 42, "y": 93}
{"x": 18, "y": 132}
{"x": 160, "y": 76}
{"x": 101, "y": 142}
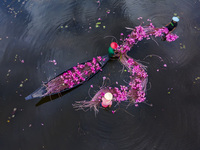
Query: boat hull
{"x": 40, "y": 92}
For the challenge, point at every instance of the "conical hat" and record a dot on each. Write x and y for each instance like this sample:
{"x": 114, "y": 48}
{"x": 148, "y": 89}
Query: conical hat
{"x": 108, "y": 96}
{"x": 175, "y": 19}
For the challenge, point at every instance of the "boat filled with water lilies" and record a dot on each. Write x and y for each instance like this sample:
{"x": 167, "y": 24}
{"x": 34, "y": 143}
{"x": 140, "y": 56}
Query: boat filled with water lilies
{"x": 70, "y": 78}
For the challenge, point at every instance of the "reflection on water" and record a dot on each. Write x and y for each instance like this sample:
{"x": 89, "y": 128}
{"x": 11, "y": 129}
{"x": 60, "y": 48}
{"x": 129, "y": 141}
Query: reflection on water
{"x": 33, "y": 32}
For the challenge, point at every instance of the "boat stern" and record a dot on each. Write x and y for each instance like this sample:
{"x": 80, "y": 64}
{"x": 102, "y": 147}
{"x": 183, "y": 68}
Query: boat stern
{"x": 104, "y": 60}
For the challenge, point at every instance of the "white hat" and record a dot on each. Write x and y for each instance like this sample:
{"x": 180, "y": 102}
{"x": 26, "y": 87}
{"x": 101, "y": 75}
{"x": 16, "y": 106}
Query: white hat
{"x": 175, "y": 19}
{"x": 108, "y": 96}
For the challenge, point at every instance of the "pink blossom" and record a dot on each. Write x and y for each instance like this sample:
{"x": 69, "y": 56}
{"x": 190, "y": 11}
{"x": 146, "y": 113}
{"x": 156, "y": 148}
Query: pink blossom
{"x": 113, "y": 111}
{"x": 65, "y": 81}
{"x": 99, "y": 58}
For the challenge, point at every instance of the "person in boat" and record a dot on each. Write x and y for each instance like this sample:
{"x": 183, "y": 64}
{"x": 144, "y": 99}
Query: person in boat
{"x": 112, "y": 50}
{"x": 171, "y": 26}
{"x": 107, "y": 100}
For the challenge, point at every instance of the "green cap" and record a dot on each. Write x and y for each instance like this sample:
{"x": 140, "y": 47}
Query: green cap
{"x": 111, "y": 51}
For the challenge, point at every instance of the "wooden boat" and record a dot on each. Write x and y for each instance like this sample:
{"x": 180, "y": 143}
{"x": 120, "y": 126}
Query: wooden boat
{"x": 43, "y": 90}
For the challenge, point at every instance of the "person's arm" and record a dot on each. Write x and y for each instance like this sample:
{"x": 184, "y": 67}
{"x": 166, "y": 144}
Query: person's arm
{"x": 172, "y": 30}
{"x": 167, "y": 24}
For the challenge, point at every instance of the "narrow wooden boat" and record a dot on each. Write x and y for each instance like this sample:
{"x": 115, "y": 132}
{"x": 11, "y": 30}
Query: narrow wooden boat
{"x": 70, "y": 78}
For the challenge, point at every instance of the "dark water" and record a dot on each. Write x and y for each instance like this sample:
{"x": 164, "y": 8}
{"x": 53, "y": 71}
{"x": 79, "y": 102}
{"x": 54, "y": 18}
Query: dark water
{"x": 32, "y": 32}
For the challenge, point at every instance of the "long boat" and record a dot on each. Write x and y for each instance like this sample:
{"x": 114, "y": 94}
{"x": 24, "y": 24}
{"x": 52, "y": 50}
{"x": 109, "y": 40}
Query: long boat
{"x": 70, "y": 78}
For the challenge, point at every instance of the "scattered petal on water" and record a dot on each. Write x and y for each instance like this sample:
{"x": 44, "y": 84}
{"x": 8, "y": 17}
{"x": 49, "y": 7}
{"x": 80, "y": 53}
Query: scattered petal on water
{"x": 108, "y": 11}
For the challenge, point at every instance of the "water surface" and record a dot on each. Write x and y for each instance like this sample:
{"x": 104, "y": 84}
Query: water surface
{"x": 34, "y": 32}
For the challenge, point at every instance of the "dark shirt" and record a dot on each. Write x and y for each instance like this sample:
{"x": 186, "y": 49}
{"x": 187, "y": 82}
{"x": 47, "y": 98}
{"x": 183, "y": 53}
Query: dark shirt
{"x": 172, "y": 25}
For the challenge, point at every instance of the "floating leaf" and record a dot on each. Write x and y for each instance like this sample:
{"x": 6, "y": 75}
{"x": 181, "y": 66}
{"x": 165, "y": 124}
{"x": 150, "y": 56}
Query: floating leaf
{"x": 98, "y": 23}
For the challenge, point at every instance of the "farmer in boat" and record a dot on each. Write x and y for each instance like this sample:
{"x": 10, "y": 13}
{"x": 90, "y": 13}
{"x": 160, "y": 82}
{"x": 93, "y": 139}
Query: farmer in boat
{"x": 107, "y": 100}
{"x": 171, "y": 26}
{"x": 112, "y": 49}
